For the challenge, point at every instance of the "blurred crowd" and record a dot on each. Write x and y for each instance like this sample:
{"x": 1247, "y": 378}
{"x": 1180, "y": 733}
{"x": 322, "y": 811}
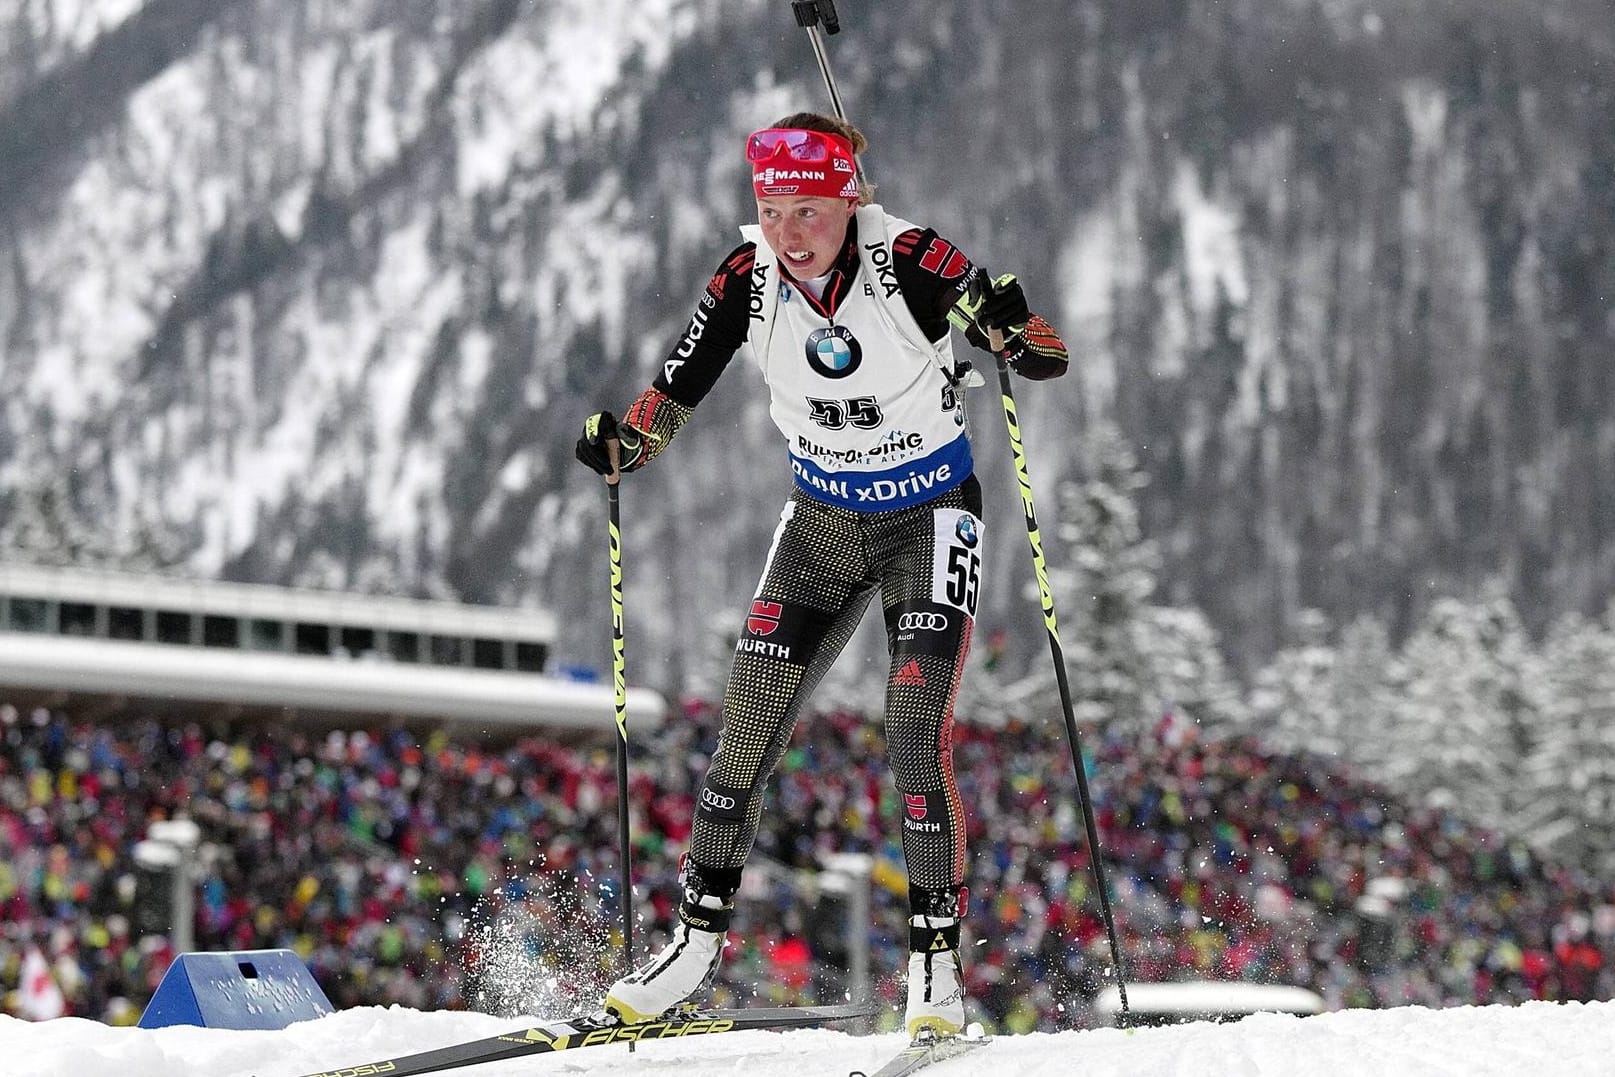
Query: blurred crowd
{"x": 437, "y": 872}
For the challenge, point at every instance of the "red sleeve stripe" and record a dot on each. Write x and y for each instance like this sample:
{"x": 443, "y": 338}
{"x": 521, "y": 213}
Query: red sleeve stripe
{"x": 642, "y": 412}
{"x": 743, "y": 261}
{"x": 1041, "y": 335}
{"x": 905, "y": 243}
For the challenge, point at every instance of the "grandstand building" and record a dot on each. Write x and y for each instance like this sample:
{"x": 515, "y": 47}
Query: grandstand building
{"x": 112, "y": 640}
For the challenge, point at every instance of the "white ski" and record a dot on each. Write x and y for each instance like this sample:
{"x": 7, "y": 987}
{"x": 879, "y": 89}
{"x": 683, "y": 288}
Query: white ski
{"x": 927, "y": 1049}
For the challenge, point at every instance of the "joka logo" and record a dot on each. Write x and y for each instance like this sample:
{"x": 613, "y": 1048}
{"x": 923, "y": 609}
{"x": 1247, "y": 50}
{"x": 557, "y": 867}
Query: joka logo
{"x": 966, "y": 530}
{"x": 910, "y": 674}
{"x": 764, "y": 617}
{"x": 916, "y": 805}
{"x": 834, "y": 352}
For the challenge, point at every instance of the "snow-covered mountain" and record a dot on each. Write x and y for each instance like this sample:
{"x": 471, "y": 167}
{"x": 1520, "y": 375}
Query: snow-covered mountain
{"x": 318, "y": 292}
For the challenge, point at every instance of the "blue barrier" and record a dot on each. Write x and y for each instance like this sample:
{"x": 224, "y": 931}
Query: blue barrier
{"x": 247, "y": 989}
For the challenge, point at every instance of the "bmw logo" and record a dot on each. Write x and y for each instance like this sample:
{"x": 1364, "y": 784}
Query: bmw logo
{"x": 966, "y": 530}
{"x": 834, "y": 352}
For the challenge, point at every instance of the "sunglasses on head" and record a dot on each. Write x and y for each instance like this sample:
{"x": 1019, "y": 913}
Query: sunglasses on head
{"x": 807, "y": 147}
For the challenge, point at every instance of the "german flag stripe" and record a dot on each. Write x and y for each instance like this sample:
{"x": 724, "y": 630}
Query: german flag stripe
{"x": 642, "y": 412}
{"x": 1041, "y": 337}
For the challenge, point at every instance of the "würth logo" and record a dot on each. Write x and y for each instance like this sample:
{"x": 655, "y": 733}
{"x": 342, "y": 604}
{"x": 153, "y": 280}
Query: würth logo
{"x": 943, "y": 260}
{"x": 910, "y": 674}
{"x": 764, "y": 617}
{"x": 917, "y": 812}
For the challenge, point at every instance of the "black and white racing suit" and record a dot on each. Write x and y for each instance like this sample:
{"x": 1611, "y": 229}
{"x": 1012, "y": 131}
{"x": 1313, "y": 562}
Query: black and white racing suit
{"x": 864, "y": 386}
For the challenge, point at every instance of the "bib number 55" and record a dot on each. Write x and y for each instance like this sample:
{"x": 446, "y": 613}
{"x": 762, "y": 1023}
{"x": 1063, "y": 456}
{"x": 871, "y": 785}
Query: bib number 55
{"x": 956, "y": 560}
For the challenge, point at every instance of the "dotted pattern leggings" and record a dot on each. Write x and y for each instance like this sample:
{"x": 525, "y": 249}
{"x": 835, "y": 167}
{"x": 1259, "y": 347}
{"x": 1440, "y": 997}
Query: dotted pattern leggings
{"x": 825, "y": 564}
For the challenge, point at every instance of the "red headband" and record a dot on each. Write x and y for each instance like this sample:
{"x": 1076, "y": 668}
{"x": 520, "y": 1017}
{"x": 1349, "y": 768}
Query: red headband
{"x": 789, "y": 161}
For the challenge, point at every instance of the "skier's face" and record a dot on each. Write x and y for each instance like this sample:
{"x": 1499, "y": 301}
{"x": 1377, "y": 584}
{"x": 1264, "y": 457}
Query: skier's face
{"x": 805, "y": 233}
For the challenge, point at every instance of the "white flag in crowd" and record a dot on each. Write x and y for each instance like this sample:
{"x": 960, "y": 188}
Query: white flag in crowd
{"x": 39, "y": 998}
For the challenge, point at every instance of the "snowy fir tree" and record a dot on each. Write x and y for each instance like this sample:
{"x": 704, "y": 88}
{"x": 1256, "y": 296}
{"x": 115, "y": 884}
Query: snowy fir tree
{"x": 1102, "y": 581}
{"x": 1333, "y": 694}
{"x": 1470, "y": 706}
{"x": 1294, "y": 703}
{"x": 54, "y": 521}
{"x": 1187, "y": 675}
{"x": 1570, "y": 777}
{"x": 1130, "y": 662}
{"x": 1364, "y": 699}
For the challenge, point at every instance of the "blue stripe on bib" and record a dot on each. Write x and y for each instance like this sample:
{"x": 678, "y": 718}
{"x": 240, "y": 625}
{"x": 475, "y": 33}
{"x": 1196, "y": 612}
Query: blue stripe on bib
{"x": 894, "y": 488}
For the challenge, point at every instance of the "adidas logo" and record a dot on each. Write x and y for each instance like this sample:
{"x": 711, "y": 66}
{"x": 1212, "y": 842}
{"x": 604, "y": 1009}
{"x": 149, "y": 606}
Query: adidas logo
{"x": 910, "y": 674}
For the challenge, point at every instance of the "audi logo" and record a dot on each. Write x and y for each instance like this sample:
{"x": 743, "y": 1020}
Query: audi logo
{"x": 717, "y": 800}
{"x": 929, "y": 622}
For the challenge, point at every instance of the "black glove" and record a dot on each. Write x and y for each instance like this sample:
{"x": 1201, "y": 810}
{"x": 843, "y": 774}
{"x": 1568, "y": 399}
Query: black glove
{"x": 1004, "y": 307}
{"x": 988, "y": 305}
{"x": 592, "y": 450}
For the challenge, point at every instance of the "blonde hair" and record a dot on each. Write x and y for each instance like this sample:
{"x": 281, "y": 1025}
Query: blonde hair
{"x": 830, "y": 125}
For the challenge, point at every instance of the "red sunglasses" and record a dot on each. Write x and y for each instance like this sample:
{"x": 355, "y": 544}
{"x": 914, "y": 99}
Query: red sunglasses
{"x": 807, "y": 147}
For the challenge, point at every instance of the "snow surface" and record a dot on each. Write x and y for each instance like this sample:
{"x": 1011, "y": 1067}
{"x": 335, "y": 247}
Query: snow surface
{"x": 1541, "y": 1039}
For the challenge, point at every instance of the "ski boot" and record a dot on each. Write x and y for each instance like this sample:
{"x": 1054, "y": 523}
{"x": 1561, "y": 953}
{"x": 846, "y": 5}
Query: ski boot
{"x": 936, "y": 994}
{"x": 685, "y": 966}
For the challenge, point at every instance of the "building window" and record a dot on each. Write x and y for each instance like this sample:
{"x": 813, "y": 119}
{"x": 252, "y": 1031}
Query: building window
{"x": 265, "y": 635}
{"x": 221, "y": 631}
{"x": 26, "y": 615}
{"x": 311, "y": 639}
{"x": 358, "y": 642}
{"x": 173, "y": 627}
{"x": 448, "y": 651}
{"x": 530, "y": 656}
{"x": 76, "y": 619}
{"x": 488, "y": 653}
{"x": 404, "y": 646}
{"x": 126, "y": 622}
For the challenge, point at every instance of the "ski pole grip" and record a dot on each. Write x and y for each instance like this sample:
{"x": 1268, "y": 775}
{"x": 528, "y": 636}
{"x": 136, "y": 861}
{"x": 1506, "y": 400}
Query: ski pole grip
{"x": 810, "y": 13}
{"x": 614, "y": 453}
